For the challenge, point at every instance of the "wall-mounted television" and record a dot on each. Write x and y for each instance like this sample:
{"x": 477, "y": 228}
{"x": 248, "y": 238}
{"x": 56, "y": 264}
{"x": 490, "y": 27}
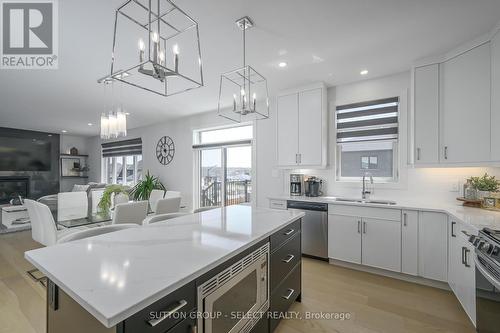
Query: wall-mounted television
{"x": 25, "y": 153}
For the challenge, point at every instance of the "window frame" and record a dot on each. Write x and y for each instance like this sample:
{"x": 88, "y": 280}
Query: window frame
{"x": 395, "y": 179}
{"x": 395, "y": 166}
{"x": 114, "y": 177}
{"x": 198, "y": 147}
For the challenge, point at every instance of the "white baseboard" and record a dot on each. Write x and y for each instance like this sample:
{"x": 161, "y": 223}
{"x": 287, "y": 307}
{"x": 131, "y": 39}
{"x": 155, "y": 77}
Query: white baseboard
{"x": 394, "y": 275}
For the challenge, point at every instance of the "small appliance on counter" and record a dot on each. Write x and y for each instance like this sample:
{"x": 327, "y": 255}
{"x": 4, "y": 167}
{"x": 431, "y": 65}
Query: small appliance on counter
{"x": 313, "y": 187}
{"x": 296, "y": 184}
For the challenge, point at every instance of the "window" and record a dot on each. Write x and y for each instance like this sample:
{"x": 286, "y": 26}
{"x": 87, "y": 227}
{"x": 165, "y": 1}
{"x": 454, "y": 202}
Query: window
{"x": 367, "y": 140}
{"x": 122, "y": 162}
{"x": 224, "y": 165}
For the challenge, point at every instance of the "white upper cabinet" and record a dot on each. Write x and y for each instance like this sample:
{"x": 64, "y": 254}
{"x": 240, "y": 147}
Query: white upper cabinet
{"x": 310, "y": 127}
{"x": 302, "y": 127}
{"x": 426, "y": 106}
{"x": 287, "y": 128}
{"x": 495, "y": 97}
{"x": 465, "y": 106}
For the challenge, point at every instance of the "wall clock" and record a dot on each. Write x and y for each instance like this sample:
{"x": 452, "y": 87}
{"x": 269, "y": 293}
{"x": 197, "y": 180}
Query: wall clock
{"x": 165, "y": 150}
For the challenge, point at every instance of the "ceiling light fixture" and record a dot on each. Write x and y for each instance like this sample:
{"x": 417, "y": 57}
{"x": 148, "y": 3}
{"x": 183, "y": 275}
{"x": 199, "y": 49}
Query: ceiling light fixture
{"x": 282, "y": 64}
{"x": 90, "y": 124}
{"x": 364, "y": 72}
{"x": 64, "y": 131}
{"x": 113, "y": 125}
{"x": 243, "y": 94}
{"x": 154, "y": 62}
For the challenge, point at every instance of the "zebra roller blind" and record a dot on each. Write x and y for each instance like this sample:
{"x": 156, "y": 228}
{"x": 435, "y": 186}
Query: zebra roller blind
{"x": 122, "y": 148}
{"x": 368, "y": 121}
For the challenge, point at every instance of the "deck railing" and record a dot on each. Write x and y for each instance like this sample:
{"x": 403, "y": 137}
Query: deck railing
{"x": 237, "y": 191}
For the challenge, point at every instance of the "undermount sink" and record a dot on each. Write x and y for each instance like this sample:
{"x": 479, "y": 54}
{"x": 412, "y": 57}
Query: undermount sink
{"x": 379, "y": 202}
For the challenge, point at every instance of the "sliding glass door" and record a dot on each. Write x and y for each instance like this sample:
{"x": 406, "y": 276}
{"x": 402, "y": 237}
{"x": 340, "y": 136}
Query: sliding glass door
{"x": 225, "y": 176}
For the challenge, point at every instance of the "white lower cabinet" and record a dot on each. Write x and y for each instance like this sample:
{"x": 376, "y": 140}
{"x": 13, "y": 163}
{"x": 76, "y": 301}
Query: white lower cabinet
{"x": 433, "y": 246}
{"x": 366, "y": 240}
{"x": 409, "y": 242}
{"x": 461, "y": 269}
{"x": 344, "y": 238}
{"x": 381, "y": 244}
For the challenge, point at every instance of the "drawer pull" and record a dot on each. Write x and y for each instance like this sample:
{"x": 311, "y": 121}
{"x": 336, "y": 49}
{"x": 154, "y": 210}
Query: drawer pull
{"x": 287, "y": 297}
{"x": 289, "y": 232}
{"x": 167, "y": 314}
{"x": 290, "y": 258}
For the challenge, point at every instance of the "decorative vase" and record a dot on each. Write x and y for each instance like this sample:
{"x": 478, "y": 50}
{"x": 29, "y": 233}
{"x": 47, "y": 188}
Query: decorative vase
{"x": 470, "y": 193}
{"x": 121, "y": 198}
{"x": 480, "y": 195}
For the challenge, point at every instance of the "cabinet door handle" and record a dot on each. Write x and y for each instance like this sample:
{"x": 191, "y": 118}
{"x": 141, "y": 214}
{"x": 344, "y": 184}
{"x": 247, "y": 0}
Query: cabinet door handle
{"x": 418, "y": 154}
{"x": 300, "y": 158}
{"x": 290, "y": 258}
{"x": 463, "y": 255}
{"x": 289, "y": 232}
{"x": 290, "y": 293}
{"x": 359, "y": 226}
{"x": 364, "y": 227}
{"x": 466, "y": 251}
{"x": 167, "y": 314}
{"x": 453, "y": 229}
{"x": 445, "y": 152}
{"x": 296, "y": 158}
{"x": 405, "y": 219}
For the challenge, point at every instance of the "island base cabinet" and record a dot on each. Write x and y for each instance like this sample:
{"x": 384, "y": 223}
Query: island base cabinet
{"x": 66, "y": 315}
{"x": 284, "y": 295}
{"x": 381, "y": 244}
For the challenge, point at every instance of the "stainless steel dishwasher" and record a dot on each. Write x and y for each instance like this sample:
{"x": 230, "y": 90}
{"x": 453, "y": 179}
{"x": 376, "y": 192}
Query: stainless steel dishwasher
{"x": 314, "y": 228}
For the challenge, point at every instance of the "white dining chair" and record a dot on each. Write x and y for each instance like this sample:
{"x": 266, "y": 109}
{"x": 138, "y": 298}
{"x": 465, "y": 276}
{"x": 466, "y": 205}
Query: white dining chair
{"x": 90, "y": 232}
{"x": 172, "y": 194}
{"x": 204, "y": 209}
{"x": 72, "y": 205}
{"x": 161, "y": 217}
{"x": 170, "y": 205}
{"x": 43, "y": 226}
{"x": 130, "y": 212}
{"x": 154, "y": 197}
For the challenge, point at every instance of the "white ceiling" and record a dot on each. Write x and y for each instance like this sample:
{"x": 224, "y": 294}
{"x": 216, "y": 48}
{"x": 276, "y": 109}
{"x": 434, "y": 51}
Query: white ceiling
{"x": 321, "y": 40}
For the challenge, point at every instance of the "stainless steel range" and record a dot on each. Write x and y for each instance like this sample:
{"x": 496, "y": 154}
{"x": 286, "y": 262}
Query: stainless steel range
{"x": 487, "y": 260}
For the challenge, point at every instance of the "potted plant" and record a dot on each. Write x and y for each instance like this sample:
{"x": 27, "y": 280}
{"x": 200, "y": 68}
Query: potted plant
{"x": 121, "y": 195}
{"x": 484, "y": 185}
{"x": 142, "y": 190}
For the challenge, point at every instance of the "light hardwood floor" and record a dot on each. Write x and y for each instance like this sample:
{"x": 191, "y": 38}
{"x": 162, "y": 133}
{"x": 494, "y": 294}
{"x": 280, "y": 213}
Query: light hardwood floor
{"x": 375, "y": 303}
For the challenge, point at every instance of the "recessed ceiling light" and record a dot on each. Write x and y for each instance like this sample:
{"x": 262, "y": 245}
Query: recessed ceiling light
{"x": 90, "y": 124}
{"x": 282, "y": 64}
{"x": 364, "y": 72}
{"x": 64, "y": 131}
{"x": 127, "y": 113}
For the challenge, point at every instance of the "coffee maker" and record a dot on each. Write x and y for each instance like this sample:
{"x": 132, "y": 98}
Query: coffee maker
{"x": 296, "y": 184}
{"x": 313, "y": 187}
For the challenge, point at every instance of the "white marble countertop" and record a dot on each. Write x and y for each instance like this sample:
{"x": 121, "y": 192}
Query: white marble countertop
{"x": 115, "y": 275}
{"x": 476, "y": 217}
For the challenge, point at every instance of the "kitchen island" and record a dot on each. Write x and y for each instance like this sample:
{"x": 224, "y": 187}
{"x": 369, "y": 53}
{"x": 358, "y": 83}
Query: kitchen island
{"x": 119, "y": 282}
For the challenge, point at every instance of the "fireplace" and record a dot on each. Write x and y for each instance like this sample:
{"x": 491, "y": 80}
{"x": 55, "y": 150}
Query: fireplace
{"x": 12, "y": 187}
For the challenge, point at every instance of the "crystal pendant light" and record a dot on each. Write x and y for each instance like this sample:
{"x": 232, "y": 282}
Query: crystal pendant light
{"x": 243, "y": 94}
{"x": 114, "y": 122}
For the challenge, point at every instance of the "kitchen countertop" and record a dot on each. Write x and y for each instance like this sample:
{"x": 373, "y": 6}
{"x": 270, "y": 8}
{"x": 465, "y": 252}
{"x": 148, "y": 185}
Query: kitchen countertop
{"x": 115, "y": 275}
{"x": 476, "y": 217}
